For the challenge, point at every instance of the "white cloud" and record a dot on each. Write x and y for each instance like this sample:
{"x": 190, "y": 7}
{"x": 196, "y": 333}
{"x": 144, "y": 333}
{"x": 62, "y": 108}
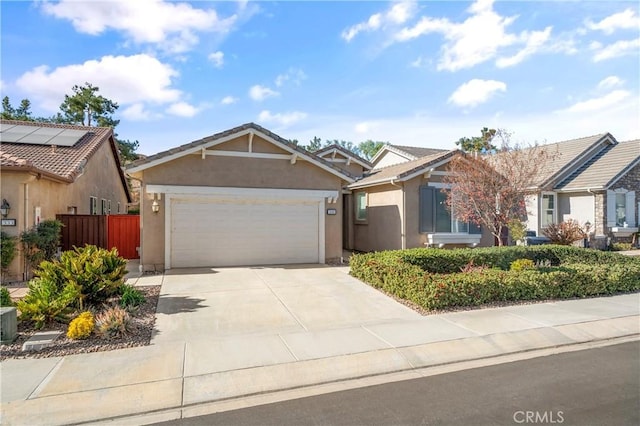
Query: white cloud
{"x": 217, "y": 58}
{"x": 476, "y": 92}
{"x": 610, "y": 82}
{"x": 598, "y": 104}
{"x": 283, "y": 119}
{"x": 182, "y": 109}
{"x": 136, "y": 112}
{"x": 477, "y": 39}
{"x": 228, "y": 100}
{"x": 295, "y": 75}
{"x": 364, "y": 127}
{"x": 171, "y": 26}
{"x": 615, "y": 50}
{"x": 534, "y": 41}
{"x": 397, "y": 14}
{"x": 123, "y": 79}
{"x": 625, "y": 20}
{"x": 260, "y": 93}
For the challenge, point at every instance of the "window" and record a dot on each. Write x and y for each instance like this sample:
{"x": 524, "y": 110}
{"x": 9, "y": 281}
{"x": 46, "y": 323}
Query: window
{"x": 436, "y": 217}
{"x": 104, "y": 206}
{"x": 621, "y": 208}
{"x": 93, "y": 205}
{"x": 361, "y": 206}
{"x": 547, "y": 210}
{"x": 118, "y": 207}
{"x": 72, "y": 210}
{"x": 109, "y": 207}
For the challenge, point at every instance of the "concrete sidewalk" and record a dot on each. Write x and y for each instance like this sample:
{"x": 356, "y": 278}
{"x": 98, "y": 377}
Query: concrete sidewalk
{"x": 173, "y": 379}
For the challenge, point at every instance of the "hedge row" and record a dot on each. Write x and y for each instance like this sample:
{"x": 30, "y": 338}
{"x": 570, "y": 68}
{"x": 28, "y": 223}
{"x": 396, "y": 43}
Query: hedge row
{"x": 450, "y": 261}
{"x": 401, "y": 274}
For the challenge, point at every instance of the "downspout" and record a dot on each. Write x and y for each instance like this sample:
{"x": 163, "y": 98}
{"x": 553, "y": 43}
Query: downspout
{"x": 25, "y": 222}
{"x": 403, "y": 226}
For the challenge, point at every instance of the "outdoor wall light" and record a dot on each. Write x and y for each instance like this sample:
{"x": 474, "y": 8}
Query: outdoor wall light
{"x": 155, "y": 207}
{"x": 4, "y": 208}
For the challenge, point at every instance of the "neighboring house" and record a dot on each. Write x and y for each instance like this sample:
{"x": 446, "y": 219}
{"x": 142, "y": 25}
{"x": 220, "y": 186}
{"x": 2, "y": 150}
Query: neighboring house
{"x": 245, "y": 196}
{"x": 402, "y": 205}
{"x": 50, "y": 169}
{"x": 390, "y": 155}
{"x": 593, "y": 180}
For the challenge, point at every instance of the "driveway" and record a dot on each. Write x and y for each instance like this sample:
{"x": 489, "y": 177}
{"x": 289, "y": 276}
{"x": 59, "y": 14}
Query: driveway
{"x": 239, "y": 317}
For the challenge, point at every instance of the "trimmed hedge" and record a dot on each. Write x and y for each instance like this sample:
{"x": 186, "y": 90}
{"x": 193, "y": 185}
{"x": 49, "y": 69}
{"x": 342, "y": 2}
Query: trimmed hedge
{"x": 432, "y": 279}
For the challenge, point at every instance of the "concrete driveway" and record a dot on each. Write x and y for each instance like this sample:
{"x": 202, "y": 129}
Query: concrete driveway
{"x": 241, "y": 317}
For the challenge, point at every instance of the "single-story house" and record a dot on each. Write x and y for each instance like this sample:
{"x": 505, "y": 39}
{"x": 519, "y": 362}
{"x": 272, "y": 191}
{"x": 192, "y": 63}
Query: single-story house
{"x": 593, "y": 180}
{"x": 244, "y": 196}
{"x": 49, "y": 169}
{"x": 401, "y": 203}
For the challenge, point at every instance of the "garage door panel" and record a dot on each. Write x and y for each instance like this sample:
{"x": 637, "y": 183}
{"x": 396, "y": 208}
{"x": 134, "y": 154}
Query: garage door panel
{"x": 227, "y": 232}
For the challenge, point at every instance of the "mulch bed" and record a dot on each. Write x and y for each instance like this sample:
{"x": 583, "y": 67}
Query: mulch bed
{"x": 142, "y": 322}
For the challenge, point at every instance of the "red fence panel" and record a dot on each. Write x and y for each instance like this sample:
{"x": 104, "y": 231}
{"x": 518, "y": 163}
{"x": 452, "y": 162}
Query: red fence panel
{"x": 123, "y": 232}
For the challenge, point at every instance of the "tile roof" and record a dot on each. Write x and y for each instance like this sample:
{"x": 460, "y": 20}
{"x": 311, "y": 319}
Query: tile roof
{"x": 344, "y": 151}
{"x": 62, "y": 163}
{"x": 247, "y": 126}
{"x": 403, "y": 170}
{"x": 416, "y": 151}
{"x": 565, "y": 153}
{"x": 604, "y": 168}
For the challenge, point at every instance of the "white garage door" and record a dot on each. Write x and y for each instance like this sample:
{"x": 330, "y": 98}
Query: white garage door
{"x": 208, "y": 231}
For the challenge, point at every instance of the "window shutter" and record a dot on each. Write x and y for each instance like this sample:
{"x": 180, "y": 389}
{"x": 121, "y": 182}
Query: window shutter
{"x": 474, "y": 229}
{"x": 427, "y": 209}
{"x": 611, "y": 209}
{"x": 631, "y": 208}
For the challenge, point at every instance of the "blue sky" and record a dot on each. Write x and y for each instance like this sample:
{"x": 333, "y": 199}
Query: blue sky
{"x": 407, "y": 72}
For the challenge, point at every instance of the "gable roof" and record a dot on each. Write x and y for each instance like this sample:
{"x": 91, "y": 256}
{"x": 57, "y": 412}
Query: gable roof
{"x": 60, "y": 163}
{"x": 604, "y": 168}
{"x": 567, "y": 155}
{"x": 408, "y": 152}
{"x": 404, "y": 171}
{"x": 227, "y": 135}
{"x": 334, "y": 148}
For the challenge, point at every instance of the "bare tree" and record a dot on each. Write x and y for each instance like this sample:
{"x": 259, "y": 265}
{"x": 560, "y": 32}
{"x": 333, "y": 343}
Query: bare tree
{"x": 490, "y": 190}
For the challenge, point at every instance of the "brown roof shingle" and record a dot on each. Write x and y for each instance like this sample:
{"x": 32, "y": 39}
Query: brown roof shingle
{"x": 417, "y": 151}
{"x": 402, "y": 170}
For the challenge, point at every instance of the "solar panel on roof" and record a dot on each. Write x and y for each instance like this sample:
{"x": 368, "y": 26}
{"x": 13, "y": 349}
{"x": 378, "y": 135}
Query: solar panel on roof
{"x": 36, "y": 135}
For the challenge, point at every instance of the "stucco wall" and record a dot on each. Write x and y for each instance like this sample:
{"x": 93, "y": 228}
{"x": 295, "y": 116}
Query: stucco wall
{"x": 389, "y": 159}
{"x": 382, "y": 229}
{"x": 237, "y": 172}
{"x": 100, "y": 180}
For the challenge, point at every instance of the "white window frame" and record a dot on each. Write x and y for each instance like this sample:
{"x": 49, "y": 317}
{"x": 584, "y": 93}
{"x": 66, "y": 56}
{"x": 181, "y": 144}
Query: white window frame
{"x": 361, "y": 218}
{"x": 93, "y": 205}
{"x": 103, "y": 206}
{"x": 108, "y": 206}
{"x": 543, "y": 211}
{"x": 630, "y": 214}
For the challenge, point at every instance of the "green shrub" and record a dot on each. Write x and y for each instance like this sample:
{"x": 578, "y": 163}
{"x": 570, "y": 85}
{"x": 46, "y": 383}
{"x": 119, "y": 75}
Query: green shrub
{"x": 130, "y": 297}
{"x": 97, "y": 273}
{"x": 410, "y": 274}
{"x": 113, "y": 322}
{"x": 621, "y": 246}
{"x": 81, "y": 327}
{"x": 5, "y": 297}
{"x": 521, "y": 264}
{"x": 7, "y": 251}
{"x": 47, "y": 301}
{"x": 41, "y": 242}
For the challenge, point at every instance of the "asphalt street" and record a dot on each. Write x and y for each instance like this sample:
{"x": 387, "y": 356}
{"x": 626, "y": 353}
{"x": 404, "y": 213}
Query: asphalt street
{"x": 598, "y": 386}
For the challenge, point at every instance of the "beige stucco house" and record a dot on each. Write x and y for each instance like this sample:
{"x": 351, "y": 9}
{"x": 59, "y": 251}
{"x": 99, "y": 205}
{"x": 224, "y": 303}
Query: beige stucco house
{"x": 400, "y": 203}
{"x": 593, "y": 180}
{"x": 240, "y": 197}
{"x": 48, "y": 169}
